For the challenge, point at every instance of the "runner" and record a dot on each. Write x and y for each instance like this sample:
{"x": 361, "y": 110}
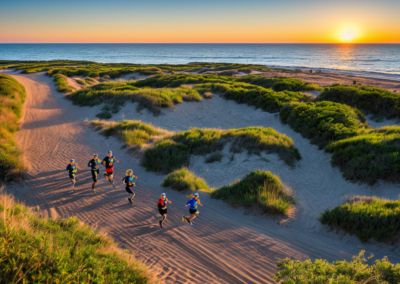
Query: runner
{"x": 108, "y": 162}
{"x": 93, "y": 163}
{"x": 162, "y": 208}
{"x": 192, "y": 203}
{"x": 72, "y": 169}
{"x": 129, "y": 182}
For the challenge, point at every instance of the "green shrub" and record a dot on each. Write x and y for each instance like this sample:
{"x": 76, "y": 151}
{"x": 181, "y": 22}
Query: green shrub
{"x": 62, "y": 83}
{"x": 90, "y": 81}
{"x": 339, "y": 272}
{"x": 279, "y": 83}
{"x": 260, "y": 188}
{"x": 369, "y": 156}
{"x": 323, "y": 122}
{"x": 217, "y": 156}
{"x": 39, "y": 250}
{"x": 80, "y": 81}
{"x": 12, "y": 98}
{"x": 105, "y": 114}
{"x": 366, "y": 217}
{"x": 184, "y": 179}
{"x": 370, "y": 99}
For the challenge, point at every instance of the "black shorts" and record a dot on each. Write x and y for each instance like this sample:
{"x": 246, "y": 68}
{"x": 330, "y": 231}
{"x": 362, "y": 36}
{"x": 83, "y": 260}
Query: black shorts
{"x": 94, "y": 175}
{"x": 162, "y": 211}
{"x": 71, "y": 176}
{"x": 108, "y": 174}
{"x": 192, "y": 211}
{"x": 128, "y": 190}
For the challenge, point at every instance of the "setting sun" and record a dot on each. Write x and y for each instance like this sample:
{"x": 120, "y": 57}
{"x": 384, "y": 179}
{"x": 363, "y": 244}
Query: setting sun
{"x": 348, "y": 35}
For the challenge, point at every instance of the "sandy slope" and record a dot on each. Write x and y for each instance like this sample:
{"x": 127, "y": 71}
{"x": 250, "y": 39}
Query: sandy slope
{"x": 226, "y": 245}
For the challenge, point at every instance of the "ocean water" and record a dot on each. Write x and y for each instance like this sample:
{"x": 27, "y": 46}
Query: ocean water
{"x": 376, "y": 60}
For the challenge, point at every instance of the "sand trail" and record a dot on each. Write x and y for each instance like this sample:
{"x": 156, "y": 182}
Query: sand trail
{"x": 226, "y": 245}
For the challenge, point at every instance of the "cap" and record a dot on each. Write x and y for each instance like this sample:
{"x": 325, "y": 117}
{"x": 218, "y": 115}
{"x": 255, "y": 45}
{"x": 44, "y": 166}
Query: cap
{"x": 95, "y": 155}
{"x": 72, "y": 161}
{"x": 196, "y": 194}
{"x": 109, "y": 152}
{"x": 163, "y": 194}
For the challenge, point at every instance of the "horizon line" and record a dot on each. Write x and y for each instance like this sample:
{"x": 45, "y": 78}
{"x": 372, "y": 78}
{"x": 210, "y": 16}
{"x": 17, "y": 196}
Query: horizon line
{"x": 200, "y": 43}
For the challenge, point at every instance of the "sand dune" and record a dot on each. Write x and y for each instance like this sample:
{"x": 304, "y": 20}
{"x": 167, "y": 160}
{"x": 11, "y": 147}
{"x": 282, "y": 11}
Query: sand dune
{"x": 226, "y": 245}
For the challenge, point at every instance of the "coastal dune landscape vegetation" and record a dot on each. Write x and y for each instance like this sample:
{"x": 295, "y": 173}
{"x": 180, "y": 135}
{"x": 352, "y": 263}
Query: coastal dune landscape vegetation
{"x": 335, "y": 121}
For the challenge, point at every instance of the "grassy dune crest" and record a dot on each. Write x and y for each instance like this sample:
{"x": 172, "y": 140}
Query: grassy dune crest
{"x": 266, "y": 99}
{"x": 12, "y": 98}
{"x": 258, "y": 188}
{"x": 176, "y": 80}
{"x": 119, "y": 93}
{"x": 323, "y": 122}
{"x": 184, "y": 179}
{"x": 279, "y": 83}
{"x": 39, "y": 250}
{"x": 366, "y": 217}
{"x": 370, "y": 99}
{"x": 322, "y": 272}
{"x": 62, "y": 83}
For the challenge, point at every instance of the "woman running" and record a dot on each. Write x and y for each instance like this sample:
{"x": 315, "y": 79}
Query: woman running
{"x": 162, "y": 208}
{"x": 192, "y": 203}
{"x": 94, "y": 164}
{"x": 72, "y": 169}
{"x": 108, "y": 162}
{"x": 129, "y": 182}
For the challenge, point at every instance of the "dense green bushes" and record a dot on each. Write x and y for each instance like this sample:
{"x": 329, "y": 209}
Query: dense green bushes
{"x": 370, "y": 99}
{"x": 176, "y": 80}
{"x": 323, "y": 122}
{"x": 266, "y": 99}
{"x": 12, "y": 98}
{"x": 339, "y": 272}
{"x": 184, "y": 179}
{"x": 119, "y": 93}
{"x": 279, "y": 83}
{"x": 39, "y": 250}
{"x": 366, "y": 217}
{"x": 62, "y": 83}
{"x": 259, "y": 188}
{"x": 372, "y": 155}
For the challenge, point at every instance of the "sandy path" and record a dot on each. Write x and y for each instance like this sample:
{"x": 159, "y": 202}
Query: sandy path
{"x": 225, "y": 245}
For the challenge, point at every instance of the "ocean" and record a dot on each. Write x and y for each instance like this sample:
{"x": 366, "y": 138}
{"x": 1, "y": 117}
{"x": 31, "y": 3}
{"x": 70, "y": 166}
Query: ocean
{"x": 372, "y": 60}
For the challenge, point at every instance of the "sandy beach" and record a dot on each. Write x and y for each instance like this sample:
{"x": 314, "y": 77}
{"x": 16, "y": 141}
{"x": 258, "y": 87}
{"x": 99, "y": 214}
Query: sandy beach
{"x": 226, "y": 245}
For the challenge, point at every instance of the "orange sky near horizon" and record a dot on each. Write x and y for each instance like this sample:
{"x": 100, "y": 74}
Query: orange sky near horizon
{"x": 254, "y": 22}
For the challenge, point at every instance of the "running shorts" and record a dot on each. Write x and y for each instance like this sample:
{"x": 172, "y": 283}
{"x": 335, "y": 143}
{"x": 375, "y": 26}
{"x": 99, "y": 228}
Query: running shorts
{"x": 71, "y": 176}
{"x": 162, "y": 211}
{"x": 128, "y": 190}
{"x": 192, "y": 211}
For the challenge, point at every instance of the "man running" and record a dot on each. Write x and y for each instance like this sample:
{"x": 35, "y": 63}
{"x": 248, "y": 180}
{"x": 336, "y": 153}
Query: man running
{"x": 129, "y": 182}
{"x": 192, "y": 203}
{"x": 94, "y": 164}
{"x": 108, "y": 162}
{"x": 162, "y": 208}
{"x": 72, "y": 169}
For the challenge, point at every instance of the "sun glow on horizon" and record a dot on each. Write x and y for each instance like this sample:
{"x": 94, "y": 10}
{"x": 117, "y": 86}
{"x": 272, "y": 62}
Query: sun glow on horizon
{"x": 348, "y": 35}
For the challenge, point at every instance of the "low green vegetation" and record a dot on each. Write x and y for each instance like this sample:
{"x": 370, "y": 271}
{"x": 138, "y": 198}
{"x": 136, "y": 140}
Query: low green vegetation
{"x": 132, "y": 132}
{"x": 12, "y": 98}
{"x": 266, "y": 99}
{"x": 366, "y": 217}
{"x": 184, "y": 179}
{"x": 279, "y": 84}
{"x": 321, "y": 271}
{"x": 119, "y": 93}
{"x": 39, "y": 250}
{"x": 90, "y": 81}
{"x": 215, "y": 157}
{"x": 370, "y": 99}
{"x": 372, "y": 155}
{"x": 259, "y": 188}
{"x": 62, "y": 83}
{"x": 323, "y": 122}
{"x": 80, "y": 81}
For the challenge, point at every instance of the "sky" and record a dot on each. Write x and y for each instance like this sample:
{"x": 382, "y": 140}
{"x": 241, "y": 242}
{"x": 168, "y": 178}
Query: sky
{"x": 205, "y": 21}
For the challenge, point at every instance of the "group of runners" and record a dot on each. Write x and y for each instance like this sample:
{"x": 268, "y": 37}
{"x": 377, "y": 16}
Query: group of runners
{"x": 129, "y": 181}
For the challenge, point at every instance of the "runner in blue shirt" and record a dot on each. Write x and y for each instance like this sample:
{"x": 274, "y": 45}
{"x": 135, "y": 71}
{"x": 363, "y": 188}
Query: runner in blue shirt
{"x": 192, "y": 203}
{"x": 129, "y": 181}
{"x": 72, "y": 169}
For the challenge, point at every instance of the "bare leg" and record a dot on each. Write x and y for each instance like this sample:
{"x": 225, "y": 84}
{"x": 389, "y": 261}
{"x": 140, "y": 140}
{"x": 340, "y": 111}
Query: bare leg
{"x": 164, "y": 217}
{"x": 192, "y": 216}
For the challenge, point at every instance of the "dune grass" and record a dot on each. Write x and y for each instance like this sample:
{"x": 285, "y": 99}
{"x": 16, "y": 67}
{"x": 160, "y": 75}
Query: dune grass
{"x": 279, "y": 84}
{"x": 80, "y": 81}
{"x": 90, "y": 81}
{"x": 372, "y": 155}
{"x": 261, "y": 189}
{"x": 132, "y": 132}
{"x": 184, "y": 179}
{"x": 266, "y": 99}
{"x": 39, "y": 250}
{"x": 119, "y": 93}
{"x": 366, "y": 217}
{"x": 322, "y": 272}
{"x": 214, "y": 157}
{"x": 323, "y": 122}
{"x": 12, "y": 98}
{"x": 176, "y": 80}
{"x": 369, "y": 99}
{"x": 62, "y": 83}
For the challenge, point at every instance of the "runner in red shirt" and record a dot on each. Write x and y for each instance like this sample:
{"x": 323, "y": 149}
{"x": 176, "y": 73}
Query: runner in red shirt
{"x": 108, "y": 162}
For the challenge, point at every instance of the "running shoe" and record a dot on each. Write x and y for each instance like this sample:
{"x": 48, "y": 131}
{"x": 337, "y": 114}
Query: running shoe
{"x": 114, "y": 184}
{"x": 130, "y": 200}
{"x": 160, "y": 222}
{"x": 73, "y": 189}
{"x": 191, "y": 223}
{"x": 183, "y": 219}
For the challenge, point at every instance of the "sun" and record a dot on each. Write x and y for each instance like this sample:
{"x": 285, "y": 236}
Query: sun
{"x": 348, "y": 35}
